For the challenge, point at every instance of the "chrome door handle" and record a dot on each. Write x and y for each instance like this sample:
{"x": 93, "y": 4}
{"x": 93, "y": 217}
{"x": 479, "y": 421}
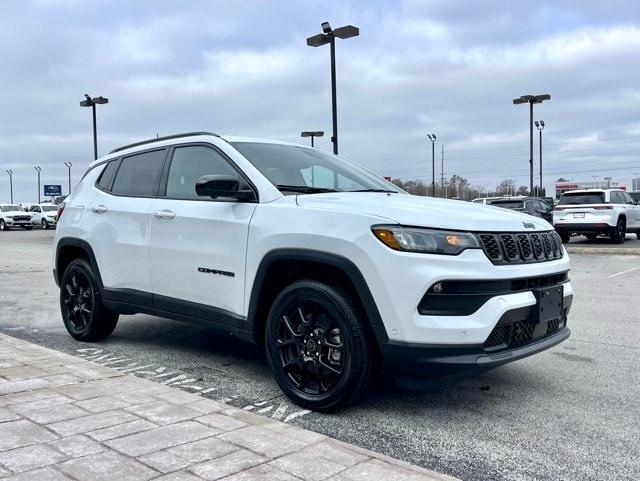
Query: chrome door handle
{"x": 99, "y": 209}
{"x": 164, "y": 214}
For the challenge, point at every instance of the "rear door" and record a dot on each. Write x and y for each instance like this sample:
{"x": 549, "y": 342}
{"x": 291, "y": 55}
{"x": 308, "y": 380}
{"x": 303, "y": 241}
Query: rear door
{"x": 632, "y": 209}
{"x": 198, "y": 244}
{"x": 120, "y": 213}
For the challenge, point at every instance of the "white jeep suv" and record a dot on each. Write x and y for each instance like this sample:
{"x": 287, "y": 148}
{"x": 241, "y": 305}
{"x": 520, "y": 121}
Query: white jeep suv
{"x": 13, "y": 216}
{"x": 594, "y": 212}
{"x": 336, "y": 271}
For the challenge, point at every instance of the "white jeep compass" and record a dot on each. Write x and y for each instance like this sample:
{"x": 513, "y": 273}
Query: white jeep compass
{"x": 337, "y": 272}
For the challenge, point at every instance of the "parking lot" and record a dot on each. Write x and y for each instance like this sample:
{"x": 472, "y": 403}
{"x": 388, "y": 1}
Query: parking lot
{"x": 570, "y": 413}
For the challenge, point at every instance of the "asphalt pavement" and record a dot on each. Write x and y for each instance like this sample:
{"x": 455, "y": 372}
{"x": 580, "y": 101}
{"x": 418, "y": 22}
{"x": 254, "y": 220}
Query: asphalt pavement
{"x": 570, "y": 413}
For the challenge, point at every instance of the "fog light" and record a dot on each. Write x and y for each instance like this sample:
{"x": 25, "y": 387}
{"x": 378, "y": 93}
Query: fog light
{"x": 438, "y": 288}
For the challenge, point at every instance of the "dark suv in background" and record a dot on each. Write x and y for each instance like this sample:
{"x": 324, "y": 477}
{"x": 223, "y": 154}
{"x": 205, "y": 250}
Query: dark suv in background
{"x": 528, "y": 205}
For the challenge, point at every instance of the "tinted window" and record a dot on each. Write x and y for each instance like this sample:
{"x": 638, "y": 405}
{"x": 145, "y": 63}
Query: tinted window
{"x": 508, "y": 204}
{"x": 109, "y": 172}
{"x": 139, "y": 174}
{"x": 191, "y": 163}
{"x": 635, "y": 196}
{"x": 582, "y": 198}
{"x": 627, "y": 198}
{"x": 616, "y": 198}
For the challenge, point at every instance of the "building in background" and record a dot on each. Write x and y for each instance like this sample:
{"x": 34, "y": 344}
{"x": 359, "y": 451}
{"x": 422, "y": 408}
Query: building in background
{"x": 635, "y": 183}
{"x": 606, "y": 183}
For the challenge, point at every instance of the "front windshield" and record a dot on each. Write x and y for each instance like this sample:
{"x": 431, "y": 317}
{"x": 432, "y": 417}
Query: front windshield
{"x": 10, "y": 208}
{"x": 49, "y": 208}
{"x": 291, "y": 167}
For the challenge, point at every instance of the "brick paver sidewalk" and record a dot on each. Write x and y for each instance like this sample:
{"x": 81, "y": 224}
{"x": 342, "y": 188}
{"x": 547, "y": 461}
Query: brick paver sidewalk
{"x": 65, "y": 418}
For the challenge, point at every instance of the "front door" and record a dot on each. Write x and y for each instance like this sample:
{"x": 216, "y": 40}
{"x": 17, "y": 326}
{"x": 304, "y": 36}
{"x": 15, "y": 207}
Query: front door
{"x": 198, "y": 244}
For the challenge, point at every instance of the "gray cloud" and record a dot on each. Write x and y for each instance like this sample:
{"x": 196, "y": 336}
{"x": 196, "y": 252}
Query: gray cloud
{"x": 243, "y": 68}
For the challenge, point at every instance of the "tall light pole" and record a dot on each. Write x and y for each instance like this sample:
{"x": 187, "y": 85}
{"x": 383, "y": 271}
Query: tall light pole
{"x": 69, "y": 165}
{"x": 38, "y": 170}
{"x": 329, "y": 36}
{"x": 312, "y": 134}
{"x": 444, "y": 192}
{"x": 540, "y": 127}
{"x": 10, "y": 172}
{"x": 91, "y": 102}
{"x": 531, "y": 99}
{"x": 432, "y": 138}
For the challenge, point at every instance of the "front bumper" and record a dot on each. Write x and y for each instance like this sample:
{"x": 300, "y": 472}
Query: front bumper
{"x": 419, "y": 360}
{"x": 18, "y": 223}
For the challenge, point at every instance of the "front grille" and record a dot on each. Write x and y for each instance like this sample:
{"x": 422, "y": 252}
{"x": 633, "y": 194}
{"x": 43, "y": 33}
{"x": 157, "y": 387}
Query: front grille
{"x": 518, "y": 248}
{"x": 521, "y": 333}
{"x": 21, "y": 217}
{"x": 497, "y": 337}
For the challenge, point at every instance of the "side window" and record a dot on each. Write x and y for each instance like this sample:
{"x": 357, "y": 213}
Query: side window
{"x": 189, "y": 164}
{"x": 108, "y": 174}
{"x": 139, "y": 174}
{"x": 628, "y": 198}
{"x": 615, "y": 198}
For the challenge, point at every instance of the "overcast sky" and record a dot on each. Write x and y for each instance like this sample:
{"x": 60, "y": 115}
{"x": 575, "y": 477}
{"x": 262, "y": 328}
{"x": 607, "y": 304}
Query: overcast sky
{"x": 243, "y": 68}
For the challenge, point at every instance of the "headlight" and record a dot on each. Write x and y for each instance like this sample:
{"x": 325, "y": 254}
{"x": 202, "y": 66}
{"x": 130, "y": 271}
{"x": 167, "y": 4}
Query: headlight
{"x": 429, "y": 241}
{"x": 10, "y": 217}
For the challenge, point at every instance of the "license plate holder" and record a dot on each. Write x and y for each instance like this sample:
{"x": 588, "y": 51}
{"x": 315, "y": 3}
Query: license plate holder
{"x": 549, "y": 304}
{"x": 578, "y": 215}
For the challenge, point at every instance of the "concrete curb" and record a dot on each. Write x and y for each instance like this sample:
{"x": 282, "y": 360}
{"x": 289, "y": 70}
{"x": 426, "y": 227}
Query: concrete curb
{"x": 66, "y": 418}
{"x": 602, "y": 250}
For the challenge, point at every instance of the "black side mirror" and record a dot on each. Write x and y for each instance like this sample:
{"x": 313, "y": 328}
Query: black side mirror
{"x": 215, "y": 186}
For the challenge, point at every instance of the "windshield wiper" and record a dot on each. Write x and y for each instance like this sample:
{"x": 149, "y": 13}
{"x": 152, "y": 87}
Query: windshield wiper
{"x": 375, "y": 190}
{"x": 304, "y": 189}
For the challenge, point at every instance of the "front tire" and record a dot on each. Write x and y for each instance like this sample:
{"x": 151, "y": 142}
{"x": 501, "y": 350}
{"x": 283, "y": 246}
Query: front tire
{"x": 592, "y": 237}
{"x": 45, "y": 224}
{"x": 83, "y": 313}
{"x": 565, "y": 238}
{"x": 620, "y": 233}
{"x": 317, "y": 346}
{"x": 3, "y": 225}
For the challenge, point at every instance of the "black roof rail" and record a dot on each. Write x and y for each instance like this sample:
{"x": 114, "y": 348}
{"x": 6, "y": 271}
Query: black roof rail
{"x": 160, "y": 139}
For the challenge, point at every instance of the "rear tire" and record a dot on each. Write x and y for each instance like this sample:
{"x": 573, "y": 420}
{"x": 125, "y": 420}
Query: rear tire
{"x": 83, "y": 313}
{"x": 318, "y": 348}
{"x": 565, "y": 238}
{"x": 620, "y": 233}
{"x": 592, "y": 237}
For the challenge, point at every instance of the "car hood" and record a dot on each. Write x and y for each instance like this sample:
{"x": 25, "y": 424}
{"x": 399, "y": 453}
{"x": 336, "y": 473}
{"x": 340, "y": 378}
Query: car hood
{"x": 414, "y": 210}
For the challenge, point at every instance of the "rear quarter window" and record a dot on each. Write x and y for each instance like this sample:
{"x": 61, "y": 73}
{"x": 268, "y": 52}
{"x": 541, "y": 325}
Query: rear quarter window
{"x": 108, "y": 174}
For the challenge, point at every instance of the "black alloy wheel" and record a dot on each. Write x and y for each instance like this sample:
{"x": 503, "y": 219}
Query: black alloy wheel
{"x": 78, "y": 300}
{"x": 620, "y": 233}
{"x": 310, "y": 347}
{"x": 83, "y": 313}
{"x": 317, "y": 346}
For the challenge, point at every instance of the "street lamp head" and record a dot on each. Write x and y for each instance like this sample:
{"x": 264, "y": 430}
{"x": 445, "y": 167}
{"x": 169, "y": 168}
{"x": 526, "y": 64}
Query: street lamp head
{"x": 542, "y": 123}
{"x": 68, "y": 164}
{"x": 432, "y": 137}
{"x": 318, "y": 40}
{"x": 534, "y": 99}
{"x": 10, "y": 172}
{"x": 326, "y": 28}
{"x": 310, "y": 133}
{"x": 89, "y": 102}
{"x": 539, "y": 125}
{"x": 37, "y": 168}
{"x": 347, "y": 31}
{"x": 101, "y": 100}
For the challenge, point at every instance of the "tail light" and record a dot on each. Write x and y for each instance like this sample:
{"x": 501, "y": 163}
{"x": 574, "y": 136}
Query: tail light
{"x": 60, "y": 210}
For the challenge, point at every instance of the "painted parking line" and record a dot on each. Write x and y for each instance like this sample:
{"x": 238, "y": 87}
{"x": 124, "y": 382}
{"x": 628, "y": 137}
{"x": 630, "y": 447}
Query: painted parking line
{"x": 624, "y": 272}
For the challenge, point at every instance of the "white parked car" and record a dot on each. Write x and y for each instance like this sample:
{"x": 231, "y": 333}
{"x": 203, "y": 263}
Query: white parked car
{"x": 486, "y": 200}
{"x": 13, "y": 216}
{"x": 594, "y": 212}
{"x": 44, "y": 215}
{"x": 336, "y": 271}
